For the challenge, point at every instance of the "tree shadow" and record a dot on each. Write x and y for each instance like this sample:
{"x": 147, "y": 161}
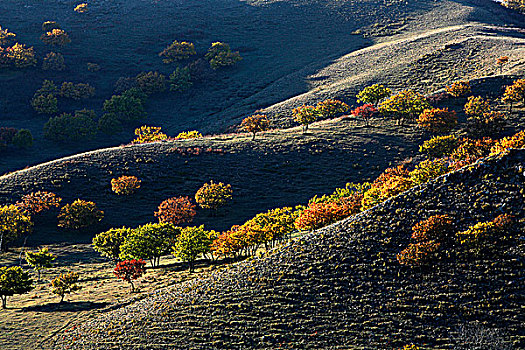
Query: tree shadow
{"x": 74, "y": 306}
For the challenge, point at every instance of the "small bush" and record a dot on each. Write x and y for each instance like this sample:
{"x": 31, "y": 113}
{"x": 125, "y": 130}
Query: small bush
{"x": 213, "y": 195}
{"x": 489, "y": 124}
{"x": 45, "y": 104}
{"x": 108, "y": 243}
{"x": 151, "y": 82}
{"x": 55, "y": 37}
{"x": 318, "y": 215}
{"x": 476, "y": 106}
{"x": 17, "y": 56}
{"x": 515, "y": 93}
{"x": 40, "y": 260}
{"x": 437, "y": 120}
{"x": 147, "y": 134}
{"x": 48, "y": 26}
{"x": 255, "y": 123}
{"x": 13, "y": 280}
{"x": 365, "y": 112}
{"x": 124, "y": 83}
{"x": 79, "y": 214}
{"x": 220, "y": 55}
{"x": 69, "y": 128}
{"x": 373, "y": 94}
{"x": 54, "y": 61}
{"x": 305, "y": 115}
{"x": 185, "y": 135}
{"x": 38, "y": 202}
{"x": 180, "y": 79}
{"x": 65, "y": 283}
{"x": 23, "y": 139}
{"x": 436, "y": 228}
{"x": 331, "y": 108}
{"x": 418, "y": 254}
{"x": 391, "y": 182}
{"x": 6, "y": 37}
{"x": 7, "y": 136}
{"x": 405, "y": 106}
{"x": 471, "y": 150}
{"x": 439, "y": 146}
{"x": 176, "y": 210}
{"x": 484, "y": 234}
{"x": 125, "y": 185}
{"x": 77, "y": 91}
{"x": 515, "y": 141}
{"x": 81, "y": 8}
{"x": 125, "y": 107}
{"x": 459, "y": 89}
{"x": 130, "y": 270}
{"x": 178, "y": 51}
{"x": 428, "y": 170}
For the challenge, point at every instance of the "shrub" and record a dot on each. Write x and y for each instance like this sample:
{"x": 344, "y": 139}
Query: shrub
{"x": 185, "y": 135}
{"x": 54, "y": 61}
{"x": 439, "y": 146}
{"x": 48, "y": 26}
{"x": 13, "y": 280}
{"x": 108, "y": 243}
{"x": 38, "y": 202}
{"x": 178, "y": 51}
{"x": 125, "y": 185}
{"x": 220, "y": 55}
{"x": 7, "y": 136}
{"x": 489, "y": 124}
{"x": 125, "y": 107}
{"x": 515, "y": 92}
{"x": 213, "y": 195}
{"x": 109, "y": 124}
{"x": 305, "y": 115}
{"x": 517, "y": 5}
{"x": 130, "y": 270}
{"x": 176, "y": 210}
{"x": 81, "y": 8}
{"x": 365, "y": 112}
{"x": 65, "y": 283}
{"x": 55, "y": 37}
{"x": 405, "y": 106}
{"x": 14, "y": 222}
{"x": 77, "y": 91}
{"x": 318, "y": 215}
{"x": 476, "y": 106}
{"x": 124, "y": 83}
{"x": 191, "y": 243}
{"x": 147, "y": 134}
{"x": 40, "y": 260}
{"x": 418, "y": 254}
{"x": 437, "y": 120}
{"x": 255, "y": 124}
{"x": 515, "y": 141}
{"x": 487, "y": 233}
{"x": 69, "y": 128}
{"x": 79, "y": 214}
{"x": 6, "y": 37}
{"x": 23, "y": 139}
{"x": 373, "y": 94}
{"x": 48, "y": 87}
{"x": 459, "y": 88}
{"x": 391, "y": 182}
{"x": 45, "y": 104}
{"x": 331, "y": 108}
{"x": 428, "y": 170}
{"x": 435, "y": 228}
{"x": 151, "y": 82}
{"x": 17, "y": 56}
{"x": 200, "y": 71}
{"x": 180, "y": 79}
{"x": 149, "y": 242}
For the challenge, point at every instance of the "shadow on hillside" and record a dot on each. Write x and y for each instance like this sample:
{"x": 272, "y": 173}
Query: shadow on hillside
{"x": 74, "y": 306}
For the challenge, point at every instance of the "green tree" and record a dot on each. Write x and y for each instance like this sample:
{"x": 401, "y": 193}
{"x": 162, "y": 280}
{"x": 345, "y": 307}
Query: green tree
{"x": 14, "y": 222}
{"x": 13, "y": 280}
{"x": 178, "y": 51}
{"x": 191, "y": 243}
{"x": 220, "y": 55}
{"x": 180, "y": 79}
{"x": 213, "y": 195}
{"x": 23, "y": 139}
{"x": 40, "y": 260}
{"x": 406, "y": 105}
{"x": 79, "y": 214}
{"x": 149, "y": 242}
{"x": 305, "y": 115}
{"x": 373, "y": 94}
{"x": 65, "y": 283}
{"x": 126, "y": 107}
{"x": 108, "y": 243}
{"x": 67, "y": 128}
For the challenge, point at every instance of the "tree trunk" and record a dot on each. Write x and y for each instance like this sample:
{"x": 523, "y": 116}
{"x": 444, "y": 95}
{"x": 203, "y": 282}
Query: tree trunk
{"x": 253, "y": 137}
{"x": 62, "y": 298}
{"x": 191, "y": 266}
{"x": 132, "y": 287}
{"x": 38, "y": 274}
{"x": 4, "y": 301}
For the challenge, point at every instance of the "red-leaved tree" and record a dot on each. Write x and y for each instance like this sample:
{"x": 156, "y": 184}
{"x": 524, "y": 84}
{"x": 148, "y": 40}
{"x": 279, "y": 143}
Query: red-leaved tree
{"x": 176, "y": 210}
{"x": 130, "y": 270}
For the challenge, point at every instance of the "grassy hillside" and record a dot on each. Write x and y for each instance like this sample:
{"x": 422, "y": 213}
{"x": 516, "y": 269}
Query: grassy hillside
{"x": 341, "y": 287}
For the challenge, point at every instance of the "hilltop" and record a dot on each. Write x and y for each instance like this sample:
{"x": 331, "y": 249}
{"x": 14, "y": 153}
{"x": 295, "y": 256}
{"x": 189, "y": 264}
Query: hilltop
{"x": 341, "y": 286}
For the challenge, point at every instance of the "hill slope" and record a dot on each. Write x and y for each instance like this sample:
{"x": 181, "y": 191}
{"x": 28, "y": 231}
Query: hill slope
{"x": 342, "y": 287}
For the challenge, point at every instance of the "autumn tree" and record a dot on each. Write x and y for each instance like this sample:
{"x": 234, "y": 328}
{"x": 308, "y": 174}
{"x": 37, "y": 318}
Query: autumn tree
{"x": 220, "y": 55}
{"x": 108, "y": 243}
{"x": 439, "y": 146}
{"x": 476, "y": 106}
{"x": 14, "y": 222}
{"x": 515, "y": 92}
{"x": 331, "y": 108}
{"x": 437, "y": 120}
{"x": 65, "y": 283}
{"x": 191, "y": 243}
{"x": 6, "y": 37}
{"x": 38, "y": 202}
{"x": 501, "y": 61}
{"x": 178, "y": 51}
{"x": 255, "y": 123}
{"x": 305, "y": 115}
{"x": 125, "y": 185}
{"x": 213, "y": 195}
{"x": 55, "y": 37}
{"x": 149, "y": 242}
{"x": 176, "y": 210}
{"x": 365, "y": 112}
{"x": 13, "y": 280}
{"x": 147, "y": 134}
{"x": 40, "y": 260}
{"x": 407, "y": 105}
{"x": 373, "y": 94}
{"x": 130, "y": 270}
{"x": 79, "y": 214}
{"x": 459, "y": 88}
{"x": 186, "y": 135}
